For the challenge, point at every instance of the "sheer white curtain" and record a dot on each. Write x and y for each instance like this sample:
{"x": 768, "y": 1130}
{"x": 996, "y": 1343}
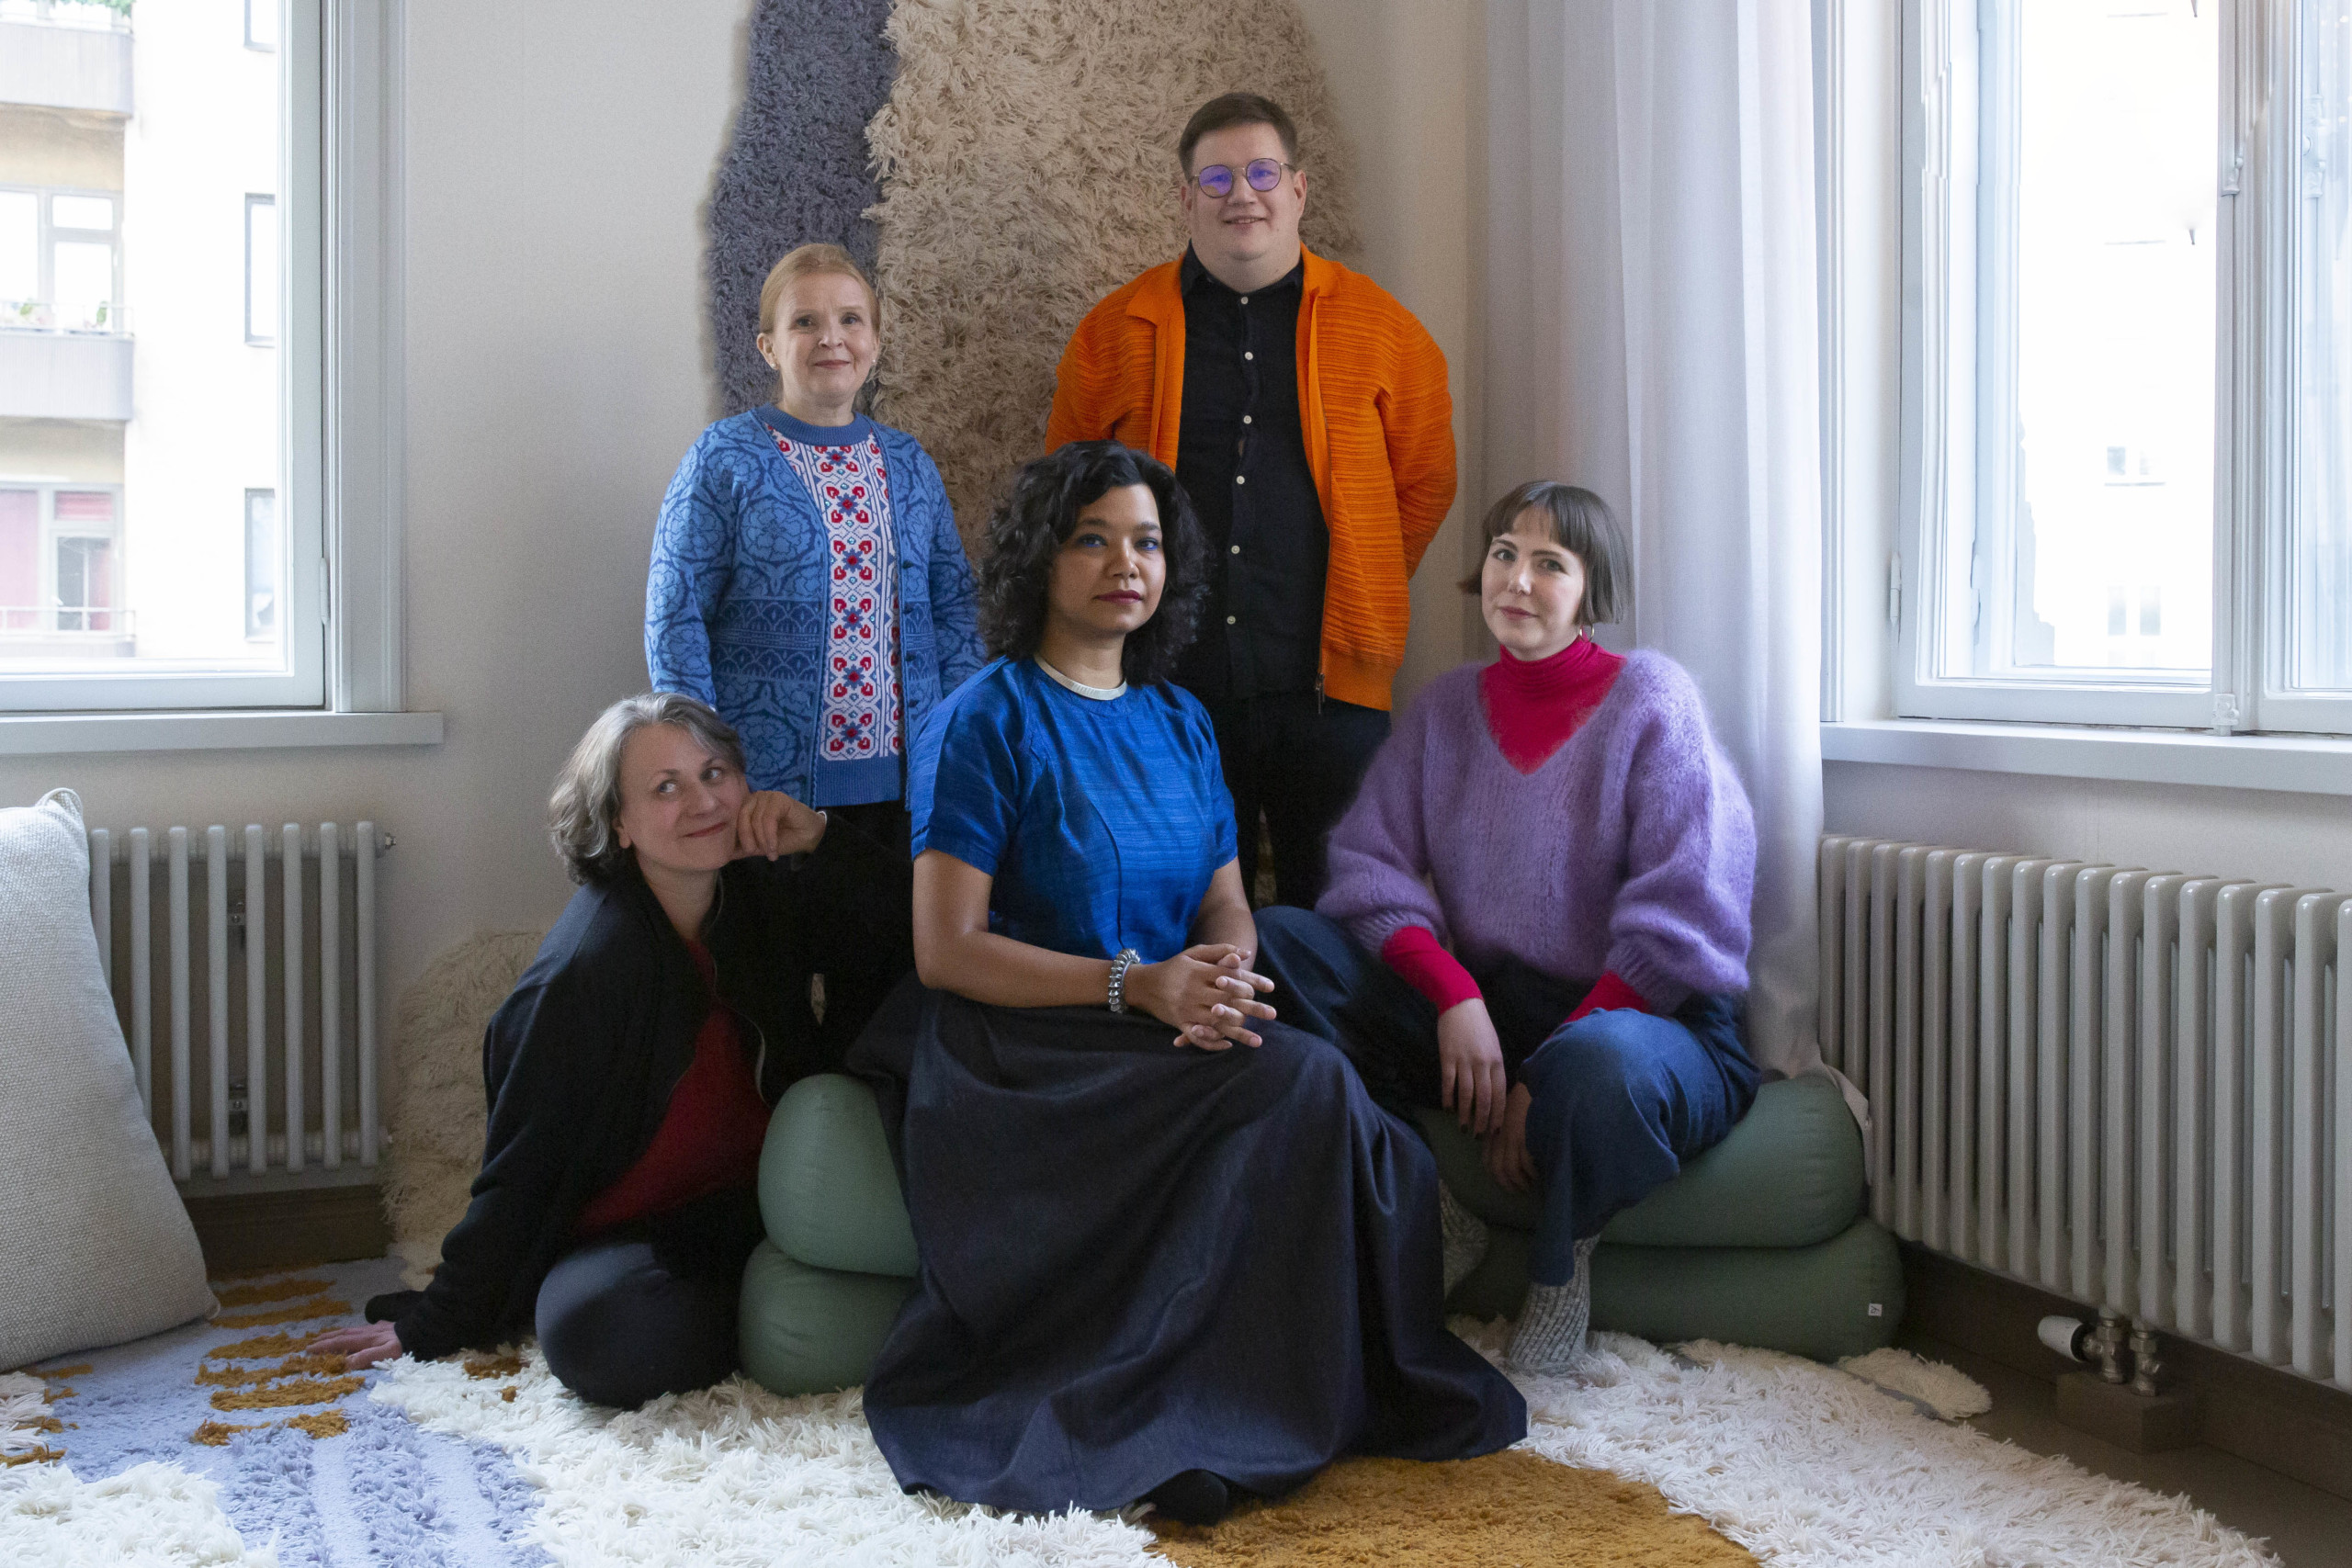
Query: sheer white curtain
{"x": 1651, "y": 335}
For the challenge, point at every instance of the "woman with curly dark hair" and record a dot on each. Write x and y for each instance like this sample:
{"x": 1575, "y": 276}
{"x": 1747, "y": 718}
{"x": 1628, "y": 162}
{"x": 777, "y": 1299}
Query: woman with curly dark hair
{"x": 1153, "y": 1267}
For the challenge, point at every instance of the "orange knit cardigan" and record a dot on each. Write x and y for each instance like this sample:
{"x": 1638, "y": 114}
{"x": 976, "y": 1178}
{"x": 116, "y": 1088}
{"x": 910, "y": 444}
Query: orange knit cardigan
{"x": 1379, "y": 428}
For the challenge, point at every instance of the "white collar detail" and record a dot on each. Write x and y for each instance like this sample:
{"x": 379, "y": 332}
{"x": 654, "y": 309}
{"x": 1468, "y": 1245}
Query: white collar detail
{"x": 1100, "y": 694}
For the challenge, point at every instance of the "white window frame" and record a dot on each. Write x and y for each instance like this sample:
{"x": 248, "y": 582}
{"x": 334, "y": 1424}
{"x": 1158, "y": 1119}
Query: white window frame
{"x": 46, "y": 234}
{"x": 45, "y": 543}
{"x": 341, "y": 506}
{"x": 1943, "y": 341}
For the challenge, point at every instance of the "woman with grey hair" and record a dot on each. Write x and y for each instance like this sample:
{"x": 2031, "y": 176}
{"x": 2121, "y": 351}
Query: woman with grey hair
{"x": 630, "y": 1074}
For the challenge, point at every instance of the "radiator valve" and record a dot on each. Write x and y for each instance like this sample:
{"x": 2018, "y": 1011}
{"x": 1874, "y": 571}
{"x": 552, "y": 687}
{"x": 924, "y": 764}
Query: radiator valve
{"x": 2146, "y": 1363}
{"x": 2107, "y": 1346}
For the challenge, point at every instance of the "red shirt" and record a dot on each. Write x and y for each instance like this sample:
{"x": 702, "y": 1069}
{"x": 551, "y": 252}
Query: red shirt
{"x": 709, "y": 1138}
{"x": 1532, "y": 708}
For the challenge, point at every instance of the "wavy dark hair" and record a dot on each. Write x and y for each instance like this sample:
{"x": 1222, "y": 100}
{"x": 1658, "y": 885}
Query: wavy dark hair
{"x": 1038, "y": 515}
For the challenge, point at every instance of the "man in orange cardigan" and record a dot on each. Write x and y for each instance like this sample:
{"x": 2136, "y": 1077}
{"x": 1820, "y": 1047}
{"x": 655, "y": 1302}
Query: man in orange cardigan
{"x": 1305, "y": 412}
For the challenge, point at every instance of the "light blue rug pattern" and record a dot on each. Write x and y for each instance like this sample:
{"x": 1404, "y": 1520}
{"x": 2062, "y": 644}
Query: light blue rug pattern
{"x": 384, "y": 1493}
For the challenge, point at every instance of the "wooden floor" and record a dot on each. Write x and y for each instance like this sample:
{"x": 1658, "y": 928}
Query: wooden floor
{"x": 2306, "y": 1526}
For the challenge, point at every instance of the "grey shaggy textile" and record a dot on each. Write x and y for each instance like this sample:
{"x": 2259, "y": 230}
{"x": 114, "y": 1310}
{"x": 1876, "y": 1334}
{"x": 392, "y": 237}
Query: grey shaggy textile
{"x": 797, "y": 171}
{"x": 1028, "y": 159}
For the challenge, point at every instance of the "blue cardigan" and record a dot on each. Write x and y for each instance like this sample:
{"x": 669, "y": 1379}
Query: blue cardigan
{"x": 735, "y": 603}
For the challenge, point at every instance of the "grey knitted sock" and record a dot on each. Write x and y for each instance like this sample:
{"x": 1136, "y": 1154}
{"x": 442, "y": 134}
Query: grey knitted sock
{"x": 1464, "y": 1234}
{"x": 1550, "y": 1338}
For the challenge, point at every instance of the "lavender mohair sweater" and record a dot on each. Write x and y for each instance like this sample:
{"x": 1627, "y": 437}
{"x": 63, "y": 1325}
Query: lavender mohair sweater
{"x": 1630, "y": 850}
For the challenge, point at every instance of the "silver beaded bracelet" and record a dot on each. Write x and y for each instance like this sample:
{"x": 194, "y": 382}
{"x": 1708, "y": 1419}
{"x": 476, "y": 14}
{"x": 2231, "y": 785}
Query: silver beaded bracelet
{"x": 1127, "y": 959}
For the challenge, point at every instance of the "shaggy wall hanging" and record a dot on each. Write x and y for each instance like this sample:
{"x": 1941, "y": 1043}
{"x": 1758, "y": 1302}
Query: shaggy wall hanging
{"x": 798, "y": 170}
{"x": 1026, "y": 153}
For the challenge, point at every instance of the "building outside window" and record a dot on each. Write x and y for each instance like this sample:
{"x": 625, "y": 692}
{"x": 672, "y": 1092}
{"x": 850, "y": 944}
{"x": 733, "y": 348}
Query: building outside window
{"x": 2128, "y": 364}
{"x": 142, "y": 185}
{"x": 262, "y": 566}
{"x": 264, "y": 279}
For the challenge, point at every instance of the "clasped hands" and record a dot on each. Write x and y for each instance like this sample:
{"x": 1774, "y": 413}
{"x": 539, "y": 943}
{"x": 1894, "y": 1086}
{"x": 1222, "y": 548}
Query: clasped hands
{"x": 1208, "y": 993}
{"x": 1471, "y": 1084}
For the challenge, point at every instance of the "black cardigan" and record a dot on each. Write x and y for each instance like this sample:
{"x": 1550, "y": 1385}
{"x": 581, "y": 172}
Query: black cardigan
{"x": 579, "y": 1064}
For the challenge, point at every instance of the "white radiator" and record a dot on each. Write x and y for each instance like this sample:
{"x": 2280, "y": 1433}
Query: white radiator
{"x": 2130, "y": 1087}
{"x": 260, "y": 988}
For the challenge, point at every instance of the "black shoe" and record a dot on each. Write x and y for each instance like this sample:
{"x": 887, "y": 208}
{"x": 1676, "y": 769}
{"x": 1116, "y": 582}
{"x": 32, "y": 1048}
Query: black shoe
{"x": 1191, "y": 1497}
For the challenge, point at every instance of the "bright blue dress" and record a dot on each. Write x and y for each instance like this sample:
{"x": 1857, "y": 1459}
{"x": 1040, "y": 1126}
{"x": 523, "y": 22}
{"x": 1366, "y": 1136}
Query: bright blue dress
{"x": 1138, "y": 1259}
{"x": 1102, "y": 821}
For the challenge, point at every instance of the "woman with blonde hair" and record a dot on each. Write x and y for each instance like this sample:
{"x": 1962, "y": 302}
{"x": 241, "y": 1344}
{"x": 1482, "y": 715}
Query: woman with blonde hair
{"x": 809, "y": 583}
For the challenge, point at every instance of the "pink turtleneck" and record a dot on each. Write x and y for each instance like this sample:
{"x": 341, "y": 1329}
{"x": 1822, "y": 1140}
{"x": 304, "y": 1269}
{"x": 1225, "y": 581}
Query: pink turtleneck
{"x": 1535, "y": 704}
{"x": 1531, "y": 707}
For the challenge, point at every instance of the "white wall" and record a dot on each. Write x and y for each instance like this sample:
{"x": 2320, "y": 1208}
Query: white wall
{"x": 558, "y": 155}
{"x": 2271, "y": 835}
{"x": 1407, "y": 77}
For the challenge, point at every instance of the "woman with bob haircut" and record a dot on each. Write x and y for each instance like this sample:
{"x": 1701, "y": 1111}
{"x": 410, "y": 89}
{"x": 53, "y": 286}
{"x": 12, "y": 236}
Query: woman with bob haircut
{"x": 1565, "y": 817}
{"x": 1155, "y": 1267}
{"x": 629, "y": 1075}
{"x": 809, "y": 583}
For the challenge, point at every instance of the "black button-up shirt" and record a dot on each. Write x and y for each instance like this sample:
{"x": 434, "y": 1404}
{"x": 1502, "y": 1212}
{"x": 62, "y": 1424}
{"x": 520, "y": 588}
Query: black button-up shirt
{"x": 1241, "y": 456}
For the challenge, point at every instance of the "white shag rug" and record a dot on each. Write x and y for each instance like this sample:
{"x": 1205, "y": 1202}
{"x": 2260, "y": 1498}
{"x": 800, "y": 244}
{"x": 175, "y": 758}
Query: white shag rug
{"x": 151, "y": 1515}
{"x": 1802, "y": 1465}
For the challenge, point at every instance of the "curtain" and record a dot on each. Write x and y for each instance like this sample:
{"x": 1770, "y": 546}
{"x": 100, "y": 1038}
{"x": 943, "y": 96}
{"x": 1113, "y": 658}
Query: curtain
{"x": 1651, "y": 335}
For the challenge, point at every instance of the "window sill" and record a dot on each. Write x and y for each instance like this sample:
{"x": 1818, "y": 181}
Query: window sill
{"x": 41, "y": 734}
{"x": 2307, "y": 764}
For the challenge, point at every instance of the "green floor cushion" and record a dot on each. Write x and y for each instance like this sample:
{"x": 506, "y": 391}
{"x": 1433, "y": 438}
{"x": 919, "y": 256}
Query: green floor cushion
{"x": 805, "y": 1330}
{"x": 1789, "y": 1174}
{"x": 1839, "y": 1297}
{"x": 829, "y": 1190}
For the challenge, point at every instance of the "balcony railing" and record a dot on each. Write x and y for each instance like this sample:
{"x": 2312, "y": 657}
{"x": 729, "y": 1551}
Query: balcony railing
{"x": 64, "y": 56}
{"x": 69, "y": 621}
{"x": 55, "y": 373}
{"x": 66, "y": 14}
{"x": 41, "y": 316}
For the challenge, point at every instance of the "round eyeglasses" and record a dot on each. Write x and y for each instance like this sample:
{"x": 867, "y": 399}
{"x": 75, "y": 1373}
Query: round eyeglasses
{"x": 1264, "y": 174}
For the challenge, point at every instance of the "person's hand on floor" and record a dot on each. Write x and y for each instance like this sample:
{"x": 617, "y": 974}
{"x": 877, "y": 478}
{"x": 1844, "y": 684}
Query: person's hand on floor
{"x": 360, "y": 1345}
{"x": 1506, "y": 1160}
{"x": 1470, "y": 1067}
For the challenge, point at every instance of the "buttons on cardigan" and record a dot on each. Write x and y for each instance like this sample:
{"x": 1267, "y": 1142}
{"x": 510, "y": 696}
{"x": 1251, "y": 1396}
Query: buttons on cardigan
{"x": 1236, "y": 549}
{"x": 1229, "y": 620}
{"x": 1245, "y": 418}
{"x": 1247, "y": 355}
{"x": 1242, "y": 478}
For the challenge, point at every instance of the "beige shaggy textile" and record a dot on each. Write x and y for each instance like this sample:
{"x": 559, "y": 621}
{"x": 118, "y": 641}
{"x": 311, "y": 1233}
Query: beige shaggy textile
{"x": 1028, "y": 164}
{"x": 434, "y": 1142}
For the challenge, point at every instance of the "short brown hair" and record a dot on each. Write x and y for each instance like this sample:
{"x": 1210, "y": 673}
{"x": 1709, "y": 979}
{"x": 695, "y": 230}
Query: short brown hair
{"x": 1579, "y": 522}
{"x": 1237, "y": 108}
{"x": 813, "y": 260}
{"x": 583, "y": 812}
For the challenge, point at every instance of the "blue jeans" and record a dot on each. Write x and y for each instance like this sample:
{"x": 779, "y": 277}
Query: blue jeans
{"x": 1620, "y": 1099}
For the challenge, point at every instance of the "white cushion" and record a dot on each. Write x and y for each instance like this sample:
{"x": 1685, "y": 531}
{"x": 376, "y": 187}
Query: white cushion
{"x": 96, "y": 1247}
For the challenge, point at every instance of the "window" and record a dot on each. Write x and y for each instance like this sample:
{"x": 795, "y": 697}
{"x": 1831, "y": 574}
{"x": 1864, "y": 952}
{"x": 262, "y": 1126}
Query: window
{"x": 258, "y": 448}
{"x": 59, "y": 599}
{"x": 261, "y": 565}
{"x": 2128, "y": 365}
{"x": 60, "y": 260}
{"x": 264, "y": 279}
